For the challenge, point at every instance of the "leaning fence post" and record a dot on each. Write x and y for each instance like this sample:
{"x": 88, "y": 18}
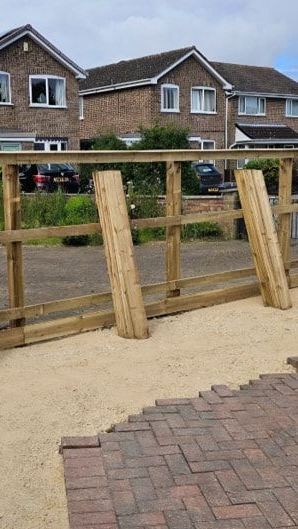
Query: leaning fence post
{"x": 173, "y": 233}
{"x": 127, "y": 297}
{"x": 12, "y": 221}
{"x": 284, "y": 224}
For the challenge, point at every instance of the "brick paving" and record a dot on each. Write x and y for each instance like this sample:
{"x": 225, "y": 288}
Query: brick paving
{"x": 226, "y": 459}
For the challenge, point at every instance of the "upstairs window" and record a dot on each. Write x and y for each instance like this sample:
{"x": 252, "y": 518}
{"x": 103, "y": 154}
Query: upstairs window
{"x": 4, "y": 88}
{"x": 252, "y": 106}
{"x": 169, "y": 98}
{"x": 292, "y": 108}
{"x": 47, "y": 91}
{"x": 203, "y": 100}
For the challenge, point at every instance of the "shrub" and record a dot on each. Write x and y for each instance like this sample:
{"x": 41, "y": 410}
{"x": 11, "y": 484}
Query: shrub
{"x": 154, "y": 174}
{"x": 106, "y": 142}
{"x": 201, "y": 230}
{"x": 80, "y": 210}
{"x": 43, "y": 209}
{"x": 143, "y": 203}
{"x": 270, "y": 170}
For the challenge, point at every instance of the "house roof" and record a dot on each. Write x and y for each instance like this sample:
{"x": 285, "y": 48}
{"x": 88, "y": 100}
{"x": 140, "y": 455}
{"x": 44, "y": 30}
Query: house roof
{"x": 256, "y": 79}
{"x": 12, "y": 35}
{"x": 143, "y": 70}
{"x": 268, "y": 132}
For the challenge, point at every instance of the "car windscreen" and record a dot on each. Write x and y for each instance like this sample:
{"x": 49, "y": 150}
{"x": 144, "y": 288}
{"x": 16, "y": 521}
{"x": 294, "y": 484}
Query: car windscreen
{"x": 205, "y": 169}
{"x": 56, "y": 167}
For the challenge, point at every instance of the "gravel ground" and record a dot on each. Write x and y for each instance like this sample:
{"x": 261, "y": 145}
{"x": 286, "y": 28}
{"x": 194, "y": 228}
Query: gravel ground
{"x": 81, "y": 384}
{"x": 58, "y": 272}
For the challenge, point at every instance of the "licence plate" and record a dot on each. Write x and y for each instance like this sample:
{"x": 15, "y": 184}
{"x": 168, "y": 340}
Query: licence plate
{"x": 61, "y": 179}
{"x": 213, "y": 189}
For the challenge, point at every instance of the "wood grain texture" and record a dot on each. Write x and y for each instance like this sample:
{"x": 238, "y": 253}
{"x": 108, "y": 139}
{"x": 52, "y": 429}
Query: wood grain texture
{"x": 284, "y": 195}
{"x": 173, "y": 233}
{"x": 12, "y": 221}
{"x": 263, "y": 238}
{"x": 126, "y": 289}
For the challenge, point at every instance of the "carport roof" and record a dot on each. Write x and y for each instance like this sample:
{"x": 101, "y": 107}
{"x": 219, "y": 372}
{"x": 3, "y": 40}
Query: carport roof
{"x": 268, "y": 132}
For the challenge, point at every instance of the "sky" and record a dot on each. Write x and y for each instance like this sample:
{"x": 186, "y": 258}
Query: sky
{"x": 96, "y": 32}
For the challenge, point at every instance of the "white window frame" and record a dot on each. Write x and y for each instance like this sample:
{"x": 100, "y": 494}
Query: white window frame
{"x": 47, "y": 144}
{"x": 202, "y": 147}
{"x": 46, "y": 77}
{"x": 288, "y": 102}
{"x": 169, "y": 85}
{"x": 204, "y": 89}
{"x": 81, "y": 107}
{"x": 246, "y": 113}
{"x": 9, "y": 90}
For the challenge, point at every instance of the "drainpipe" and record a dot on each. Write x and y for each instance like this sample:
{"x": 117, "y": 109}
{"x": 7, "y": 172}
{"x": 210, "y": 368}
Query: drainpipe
{"x": 228, "y": 95}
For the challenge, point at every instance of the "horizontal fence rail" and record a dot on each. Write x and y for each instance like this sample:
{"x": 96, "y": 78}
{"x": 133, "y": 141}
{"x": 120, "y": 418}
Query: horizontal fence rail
{"x": 13, "y": 236}
{"x": 175, "y": 155}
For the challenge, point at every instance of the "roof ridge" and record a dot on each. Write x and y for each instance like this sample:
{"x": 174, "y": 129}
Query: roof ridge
{"x": 150, "y": 56}
{"x": 243, "y": 65}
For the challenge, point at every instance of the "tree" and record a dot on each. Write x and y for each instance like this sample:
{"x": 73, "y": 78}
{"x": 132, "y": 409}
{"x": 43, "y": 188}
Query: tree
{"x": 106, "y": 142}
{"x": 270, "y": 170}
{"x": 148, "y": 175}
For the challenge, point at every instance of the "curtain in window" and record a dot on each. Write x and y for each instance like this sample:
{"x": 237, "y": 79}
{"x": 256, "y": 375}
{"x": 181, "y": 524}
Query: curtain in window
{"x": 209, "y": 105}
{"x": 170, "y": 98}
{"x": 197, "y": 100}
{"x": 251, "y": 105}
{"x": 59, "y": 92}
{"x": 4, "y": 88}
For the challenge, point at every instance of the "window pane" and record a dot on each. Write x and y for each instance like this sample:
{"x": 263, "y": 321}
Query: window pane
{"x": 208, "y": 144}
{"x": 262, "y": 105}
{"x": 197, "y": 99}
{"x": 242, "y": 105}
{"x": 251, "y": 105}
{"x": 294, "y": 107}
{"x": 209, "y": 101}
{"x": 170, "y": 98}
{"x": 289, "y": 107}
{"x": 4, "y": 88}
{"x": 39, "y": 94}
{"x": 56, "y": 92}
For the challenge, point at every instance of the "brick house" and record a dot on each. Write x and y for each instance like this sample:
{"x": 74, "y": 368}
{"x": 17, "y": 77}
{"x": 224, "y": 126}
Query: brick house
{"x": 39, "y": 101}
{"x": 223, "y": 105}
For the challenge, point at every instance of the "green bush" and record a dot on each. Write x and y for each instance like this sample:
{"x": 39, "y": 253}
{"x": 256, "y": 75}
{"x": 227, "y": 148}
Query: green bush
{"x": 144, "y": 203}
{"x": 154, "y": 174}
{"x": 43, "y": 209}
{"x": 107, "y": 142}
{"x": 80, "y": 210}
{"x": 146, "y": 176}
{"x": 201, "y": 230}
{"x": 270, "y": 170}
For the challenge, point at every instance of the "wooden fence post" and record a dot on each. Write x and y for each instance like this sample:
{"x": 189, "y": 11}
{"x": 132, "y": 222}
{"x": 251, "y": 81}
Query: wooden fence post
{"x": 284, "y": 224}
{"x": 127, "y": 297}
{"x": 263, "y": 238}
{"x": 173, "y": 233}
{"x": 12, "y": 221}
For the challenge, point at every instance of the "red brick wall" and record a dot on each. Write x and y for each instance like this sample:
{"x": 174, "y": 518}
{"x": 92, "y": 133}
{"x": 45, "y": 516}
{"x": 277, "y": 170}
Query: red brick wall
{"x": 275, "y": 113}
{"x": 125, "y": 111}
{"x": 42, "y": 121}
{"x": 120, "y": 111}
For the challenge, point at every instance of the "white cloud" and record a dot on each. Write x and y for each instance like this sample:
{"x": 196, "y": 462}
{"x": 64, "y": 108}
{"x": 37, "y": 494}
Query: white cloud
{"x": 95, "y": 32}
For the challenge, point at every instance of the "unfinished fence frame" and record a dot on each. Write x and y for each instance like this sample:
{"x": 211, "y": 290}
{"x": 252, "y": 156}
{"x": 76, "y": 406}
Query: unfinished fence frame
{"x": 13, "y": 237}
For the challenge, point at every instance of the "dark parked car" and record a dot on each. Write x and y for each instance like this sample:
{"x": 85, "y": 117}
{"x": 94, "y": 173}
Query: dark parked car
{"x": 210, "y": 179}
{"x": 49, "y": 177}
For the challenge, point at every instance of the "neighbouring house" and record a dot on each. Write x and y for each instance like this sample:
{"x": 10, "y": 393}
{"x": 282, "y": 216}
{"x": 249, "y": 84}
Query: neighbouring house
{"x": 39, "y": 100}
{"x": 223, "y": 105}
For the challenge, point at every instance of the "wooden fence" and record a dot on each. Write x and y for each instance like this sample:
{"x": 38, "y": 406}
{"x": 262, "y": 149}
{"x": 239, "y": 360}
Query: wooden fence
{"x": 13, "y": 236}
